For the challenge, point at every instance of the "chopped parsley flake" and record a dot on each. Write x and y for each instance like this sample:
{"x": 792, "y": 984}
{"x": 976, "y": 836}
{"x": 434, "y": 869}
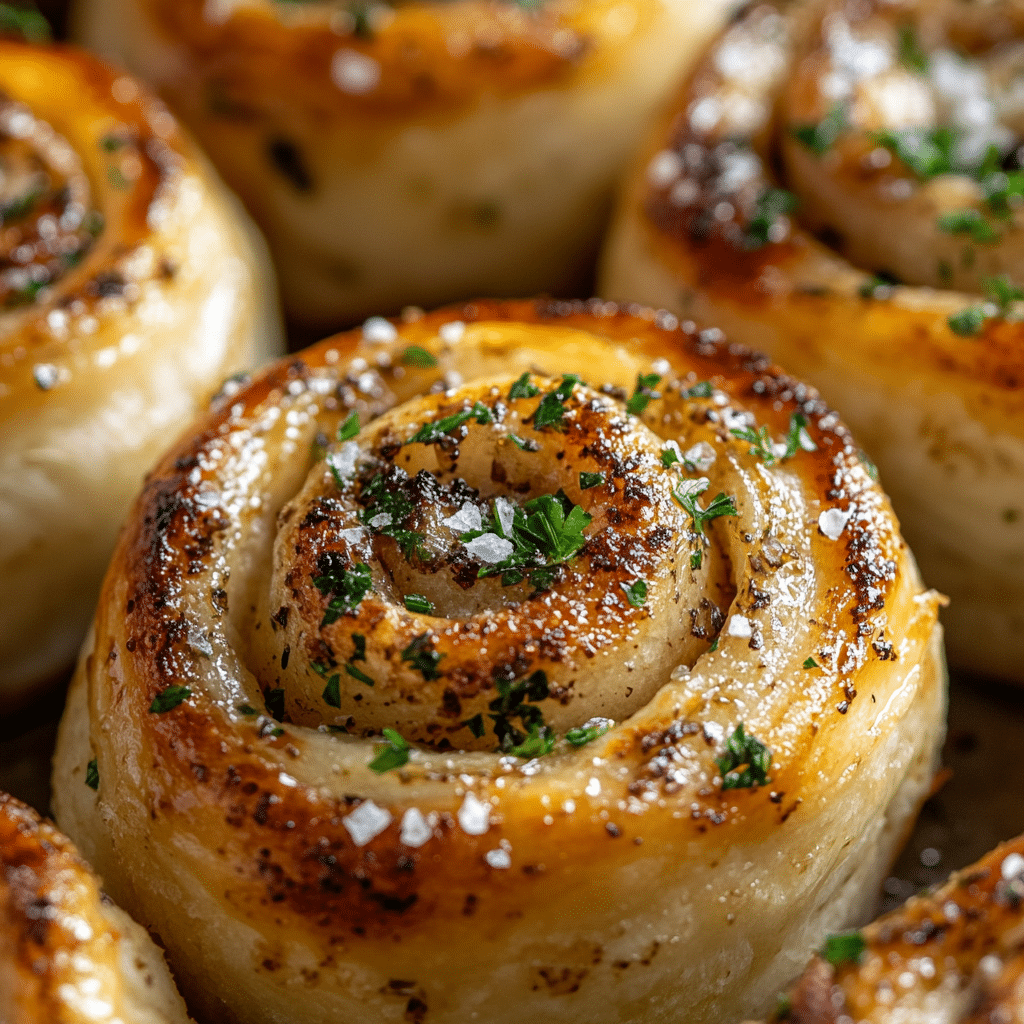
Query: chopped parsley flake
{"x": 422, "y": 657}
{"x": 810, "y": 663}
{"x": 332, "y": 691}
{"x": 246, "y": 709}
{"x": 760, "y": 442}
{"x": 745, "y": 762}
{"x": 522, "y": 388}
{"x": 551, "y": 411}
{"x": 636, "y": 593}
{"x": 702, "y": 389}
{"x": 393, "y": 755}
{"x": 513, "y": 702}
{"x": 525, "y": 445}
{"x": 346, "y": 588}
{"x": 819, "y": 138}
{"x": 772, "y": 205}
{"x": 643, "y": 393}
{"x": 431, "y": 433}
{"x": 588, "y": 480}
{"x": 349, "y": 428}
{"x": 669, "y": 457}
{"x": 414, "y": 355}
{"x": 797, "y": 438}
{"x": 1000, "y": 294}
{"x": 588, "y": 732}
{"x": 418, "y": 603}
{"x": 384, "y": 496}
{"x": 169, "y": 698}
{"x": 911, "y": 54}
{"x": 968, "y": 222}
{"x": 880, "y": 286}
{"x": 92, "y": 775}
{"x": 720, "y": 505}
{"x": 24, "y": 22}
{"x": 358, "y": 674}
{"x": 845, "y": 948}
{"x": 475, "y": 725}
{"x": 538, "y": 741}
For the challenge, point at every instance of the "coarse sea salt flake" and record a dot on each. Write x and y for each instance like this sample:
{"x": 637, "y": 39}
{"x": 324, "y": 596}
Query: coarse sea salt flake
{"x": 833, "y": 521}
{"x": 490, "y": 548}
{"x": 380, "y": 330}
{"x": 506, "y": 512}
{"x": 474, "y": 816}
{"x": 467, "y": 518}
{"x": 380, "y": 520}
{"x": 1012, "y": 867}
{"x": 416, "y": 829}
{"x": 366, "y": 821}
{"x": 343, "y": 461}
{"x": 740, "y": 625}
{"x": 452, "y": 332}
{"x": 498, "y": 859}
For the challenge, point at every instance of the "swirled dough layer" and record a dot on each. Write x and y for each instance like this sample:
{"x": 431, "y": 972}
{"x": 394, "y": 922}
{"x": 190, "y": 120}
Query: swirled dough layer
{"x": 415, "y": 152}
{"x": 664, "y": 688}
{"x": 131, "y": 285}
{"x": 839, "y": 185}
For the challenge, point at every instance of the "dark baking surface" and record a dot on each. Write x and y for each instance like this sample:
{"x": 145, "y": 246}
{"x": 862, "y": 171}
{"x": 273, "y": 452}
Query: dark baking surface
{"x": 980, "y": 803}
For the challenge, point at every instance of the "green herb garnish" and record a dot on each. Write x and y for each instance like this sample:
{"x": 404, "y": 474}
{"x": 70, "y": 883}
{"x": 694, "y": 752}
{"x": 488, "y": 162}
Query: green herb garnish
{"x": 819, "y": 138}
{"x": 669, "y": 457}
{"x": 92, "y": 775}
{"x": 422, "y": 657}
{"x": 797, "y": 438}
{"x": 418, "y": 603}
{"x": 810, "y": 663}
{"x": 845, "y": 948}
{"x": 431, "y": 433}
{"x": 551, "y": 411}
{"x": 745, "y": 762}
{"x": 522, "y": 388}
{"x": 513, "y": 701}
{"x": 588, "y": 732}
{"x": 720, "y": 505}
{"x": 332, "y": 691}
{"x": 385, "y": 496}
{"x": 702, "y": 389}
{"x": 589, "y": 480}
{"x": 764, "y": 227}
{"x": 169, "y": 698}
{"x": 345, "y": 587}
{"x": 968, "y": 322}
{"x": 475, "y": 725}
{"x": 643, "y": 393}
{"x": 759, "y": 440}
{"x": 393, "y": 755}
{"x": 968, "y": 222}
{"x": 358, "y": 674}
{"x": 636, "y": 593}
{"x": 25, "y": 22}
{"x": 414, "y": 355}
{"x": 911, "y": 54}
{"x": 539, "y": 740}
{"x": 349, "y": 428}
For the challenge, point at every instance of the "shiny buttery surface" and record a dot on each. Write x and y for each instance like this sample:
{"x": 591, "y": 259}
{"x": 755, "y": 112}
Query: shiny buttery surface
{"x": 613, "y": 881}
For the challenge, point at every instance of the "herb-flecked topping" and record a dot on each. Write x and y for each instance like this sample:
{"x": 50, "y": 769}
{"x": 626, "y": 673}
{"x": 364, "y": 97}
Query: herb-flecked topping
{"x": 522, "y": 388}
{"x": 415, "y": 355}
{"x": 636, "y": 593}
{"x": 589, "y": 480}
{"x": 169, "y": 698}
{"x": 551, "y": 411}
{"x": 394, "y": 754}
{"x": 418, "y": 603}
{"x": 349, "y": 428}
{"x": 422, "y": 657}
{"x": 845, "y": 948}
{"x": 344, "y": 587}
{"x": 588, "y": 731}
{"x": 643, "y": 393}
{"x": 431, "y": 433}
{"x": 92, "y": 774}
{"x": 745, "y": 762}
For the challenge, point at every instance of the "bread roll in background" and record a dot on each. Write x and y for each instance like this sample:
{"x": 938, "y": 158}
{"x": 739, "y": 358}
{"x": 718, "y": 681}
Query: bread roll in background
{"x": 538, "y": 661}
{"x": 67, "y": 954}
{"x": 131, "y": 286}
{"x": 416, "y": 152}
{"x": 840, "y": 185}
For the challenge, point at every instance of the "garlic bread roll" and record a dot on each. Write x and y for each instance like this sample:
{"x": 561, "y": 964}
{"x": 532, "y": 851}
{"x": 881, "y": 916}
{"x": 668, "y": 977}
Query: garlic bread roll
{"x": 530, "y": 660}
{"x": 841, "y": 186}
{"x": 130, "y": 287}
{"x": 415, "y": 152}
{"x": 67, "y": 954}
{"x": 952, "y": 955}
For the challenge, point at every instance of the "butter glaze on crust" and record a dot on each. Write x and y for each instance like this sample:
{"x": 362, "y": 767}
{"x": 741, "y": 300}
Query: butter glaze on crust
{"x": 614, "y": 881}
{"x": 950, "y": 955}
{"x": 131, "y": 286}
{"x": 423, "y": 151}
{"x": 942, "y": 414}
{"x": 68, "y": 955}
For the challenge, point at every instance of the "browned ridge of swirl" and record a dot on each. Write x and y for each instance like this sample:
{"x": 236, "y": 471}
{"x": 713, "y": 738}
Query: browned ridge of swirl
{"x": 260, "y": 799}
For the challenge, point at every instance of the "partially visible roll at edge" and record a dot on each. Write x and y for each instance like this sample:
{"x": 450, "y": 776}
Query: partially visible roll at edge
{"x": 953, "y": 955}
{"x": 145, "y": 286}
{"x": 67, "y": 954}
{"x": 942, "y": 415}
{"x": 423, "y": 152}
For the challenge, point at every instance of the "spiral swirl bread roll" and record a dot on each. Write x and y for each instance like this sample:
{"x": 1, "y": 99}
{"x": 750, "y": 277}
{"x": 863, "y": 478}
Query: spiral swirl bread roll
{"x": 474, "y": 665}
{"x": 67, "y": 954}
{"x": 130, "y": 287}
{"x": 840, "y": 185}
{"x": 415, "y": 152}
{"x": 955, "y": 954}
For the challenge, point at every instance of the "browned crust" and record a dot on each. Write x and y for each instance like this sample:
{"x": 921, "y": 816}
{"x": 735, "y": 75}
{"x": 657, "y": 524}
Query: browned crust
{"x": 291, "y": 855}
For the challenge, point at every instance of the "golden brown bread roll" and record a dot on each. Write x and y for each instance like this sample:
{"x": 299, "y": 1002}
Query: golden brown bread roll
{"x": 430, "y": 680}
{"x": 130, "y": 287}
{"x": 840, "y": 186}
{"x": 955, "y": 954}
{"x": 67, "y": 954}
{"x": 415, "y": 152}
